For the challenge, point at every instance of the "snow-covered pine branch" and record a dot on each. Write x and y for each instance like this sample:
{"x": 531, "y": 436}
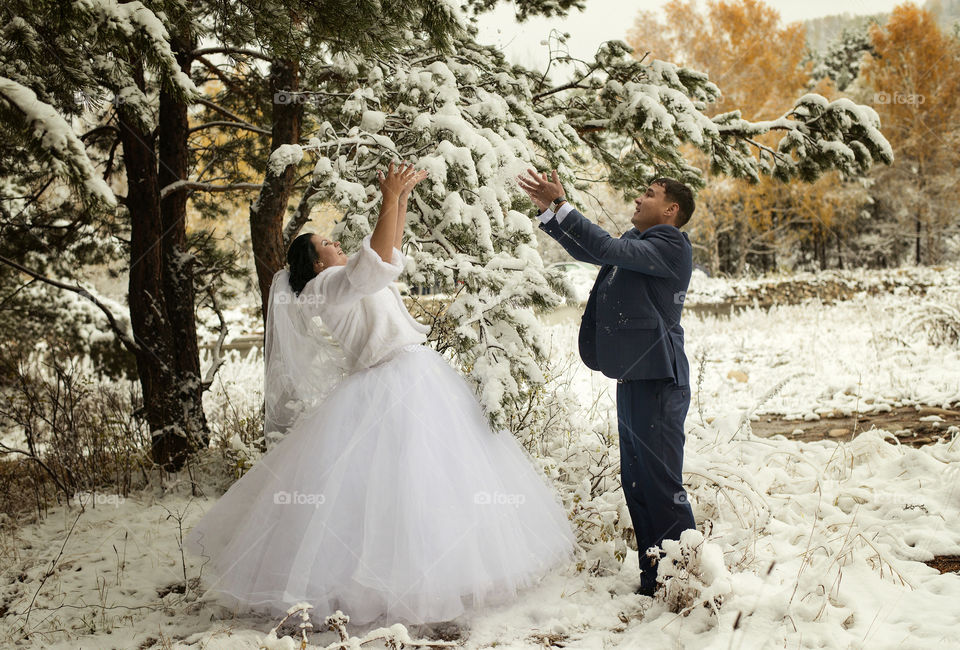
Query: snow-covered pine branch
{"x": 206, "y": 187}
{"x": 132, "y": 20}
{"x": 52, "y": 139}
{"x": 635, "y": 116}
{"x": 822, "y": 135}
{"x": 470, "y": 123}
{"x": 474, "y": 122}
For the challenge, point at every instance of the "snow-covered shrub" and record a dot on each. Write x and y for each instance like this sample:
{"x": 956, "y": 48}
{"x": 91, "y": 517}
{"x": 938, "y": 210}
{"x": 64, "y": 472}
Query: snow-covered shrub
{"x": 393, "y": 637}
{"x": 80, "y": 429}
{"x": 937, "y": 318}
{"x": 575, "y": 445}
{"x": 39, "y": 316}
{"x": 693, "y": 573}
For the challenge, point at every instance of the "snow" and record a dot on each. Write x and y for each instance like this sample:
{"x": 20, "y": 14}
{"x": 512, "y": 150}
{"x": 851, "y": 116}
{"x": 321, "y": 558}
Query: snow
{"x": 800, "y": 545}
{"x": 131, "y": 18}
{"x": 373, "y": 121}
{"x": 284, "y": 156}
{"x": 56, "y": 136}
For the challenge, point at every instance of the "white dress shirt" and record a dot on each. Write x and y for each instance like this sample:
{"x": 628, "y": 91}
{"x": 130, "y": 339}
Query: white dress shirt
{"x": 547, "y": 214}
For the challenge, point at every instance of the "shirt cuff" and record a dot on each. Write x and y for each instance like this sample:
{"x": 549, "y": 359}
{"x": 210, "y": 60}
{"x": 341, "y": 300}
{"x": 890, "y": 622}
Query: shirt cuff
{"x": 564, "y": 211}
{"x": 548, "y": 214}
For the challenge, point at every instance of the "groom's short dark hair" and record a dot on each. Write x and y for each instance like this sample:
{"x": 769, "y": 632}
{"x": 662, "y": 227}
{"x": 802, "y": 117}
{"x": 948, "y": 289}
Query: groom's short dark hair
{"x": 680, "y": 194}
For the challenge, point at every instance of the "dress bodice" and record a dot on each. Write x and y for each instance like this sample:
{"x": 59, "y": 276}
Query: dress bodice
{"x": 362, "y": 308}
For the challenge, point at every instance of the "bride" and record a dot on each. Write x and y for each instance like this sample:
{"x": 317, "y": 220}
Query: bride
{"x": 389, "y": 496}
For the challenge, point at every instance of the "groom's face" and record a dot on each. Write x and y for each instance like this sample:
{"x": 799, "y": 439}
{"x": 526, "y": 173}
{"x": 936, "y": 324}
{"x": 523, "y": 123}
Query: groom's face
{"x": 653, "y": 209}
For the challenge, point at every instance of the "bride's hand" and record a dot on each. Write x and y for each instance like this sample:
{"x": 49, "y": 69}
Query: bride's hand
{"x": 411, "y": 181}
{"x": 392, "y": 183}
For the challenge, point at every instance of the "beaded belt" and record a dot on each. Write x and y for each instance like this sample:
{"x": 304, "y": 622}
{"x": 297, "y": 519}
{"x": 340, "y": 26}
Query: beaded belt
{"x": 410, "y": 347}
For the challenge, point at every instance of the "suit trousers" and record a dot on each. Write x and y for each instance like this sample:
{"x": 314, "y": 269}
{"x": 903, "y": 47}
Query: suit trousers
{"x": 650, "y": 414}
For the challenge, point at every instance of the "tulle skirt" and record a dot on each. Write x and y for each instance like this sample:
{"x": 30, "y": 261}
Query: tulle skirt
{"x": 393, "y": 499}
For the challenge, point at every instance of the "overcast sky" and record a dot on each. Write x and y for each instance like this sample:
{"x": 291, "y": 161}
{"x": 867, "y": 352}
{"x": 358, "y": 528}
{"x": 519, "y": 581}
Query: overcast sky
{"x": 604, "y": 20}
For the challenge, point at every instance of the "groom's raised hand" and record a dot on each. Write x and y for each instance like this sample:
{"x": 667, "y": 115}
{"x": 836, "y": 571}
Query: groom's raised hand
{"x": 540, "y": 190}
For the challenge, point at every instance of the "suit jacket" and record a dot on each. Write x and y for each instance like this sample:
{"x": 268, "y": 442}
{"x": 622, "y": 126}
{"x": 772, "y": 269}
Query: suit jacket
{"x": 630, "y": 328}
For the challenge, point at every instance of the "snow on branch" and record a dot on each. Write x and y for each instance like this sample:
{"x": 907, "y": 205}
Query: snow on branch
{"x": 125, "y": 338}
{"x": 823, "y": 135}
{"x": 635, "y": 116}
{"x": 54, "y": 137}
{"x": 133, "y": 18}
{"x": 223, "y": 124}
{"x": 206, "y": 187}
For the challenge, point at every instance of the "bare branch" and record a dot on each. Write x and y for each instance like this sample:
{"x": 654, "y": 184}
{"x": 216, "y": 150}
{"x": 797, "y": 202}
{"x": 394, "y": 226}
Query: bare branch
{"x": 223, "y": 111}
{"x": 227, "y": 81}
{"x": 203, "y": 51}
{"x": 206, "y": 187}
{"x": 128, "y": 342}
{"x": 230, "y": 125}
{"x": 100, "y": 129}
{"x": 216, "y": 353}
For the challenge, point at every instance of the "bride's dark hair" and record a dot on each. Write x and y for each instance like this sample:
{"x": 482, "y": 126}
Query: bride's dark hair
{"x": 301, "y": 256}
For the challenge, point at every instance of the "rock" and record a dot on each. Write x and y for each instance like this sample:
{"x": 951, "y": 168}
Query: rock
{"x": 739, "y": 375}
{"x": 838, "y": 433}
{"x": 931, "y": 410}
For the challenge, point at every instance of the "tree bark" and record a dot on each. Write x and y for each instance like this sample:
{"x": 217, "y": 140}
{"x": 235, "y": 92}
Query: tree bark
{"x": 266, "y": 213}
{"x": 916, "y": 217}
{"x": 821, "y": 239}
{"x": 161, "y": 279}
{"x": 839, "y": 251}
{"x": 177, "y": 276}
{"x": 148, "y": 314}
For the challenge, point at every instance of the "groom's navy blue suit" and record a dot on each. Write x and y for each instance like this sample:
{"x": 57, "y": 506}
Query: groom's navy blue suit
{"x": 631, "y": 331}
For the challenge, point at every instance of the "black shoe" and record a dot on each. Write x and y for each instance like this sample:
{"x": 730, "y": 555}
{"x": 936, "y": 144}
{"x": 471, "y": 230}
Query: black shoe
{"x": 645, "y": 590}
{"x": 444, "y": 631}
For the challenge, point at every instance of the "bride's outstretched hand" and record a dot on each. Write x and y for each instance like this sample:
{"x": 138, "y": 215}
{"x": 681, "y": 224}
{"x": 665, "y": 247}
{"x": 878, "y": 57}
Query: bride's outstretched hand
{"x": 398, "y": 182}
{"x": 390, "y": 183}
{"x": 412, "y": 182}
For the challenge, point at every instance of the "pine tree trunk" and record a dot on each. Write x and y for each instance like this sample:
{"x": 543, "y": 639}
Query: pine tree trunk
{"x": 169, "y": 377}
{"x": 148, "y": 314}
{"x": 724, "y": 253}
{"x": 715, "y": 262}
{"x": 822, "y": 249}
{"x": 917, "y": 218}
{"x": 266, "y": 213}
{"x": 177, "y": 273}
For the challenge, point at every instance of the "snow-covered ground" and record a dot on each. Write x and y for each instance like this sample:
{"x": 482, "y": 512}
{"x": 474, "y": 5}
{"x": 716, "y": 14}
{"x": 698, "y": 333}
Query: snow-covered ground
{"x": 807, "y": 545}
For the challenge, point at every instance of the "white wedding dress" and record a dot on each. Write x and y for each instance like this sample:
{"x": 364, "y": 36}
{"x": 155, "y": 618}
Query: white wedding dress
{"x": 391, "y": 498}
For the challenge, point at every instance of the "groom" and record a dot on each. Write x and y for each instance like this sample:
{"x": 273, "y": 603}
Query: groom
{"x": 631, "y": 331}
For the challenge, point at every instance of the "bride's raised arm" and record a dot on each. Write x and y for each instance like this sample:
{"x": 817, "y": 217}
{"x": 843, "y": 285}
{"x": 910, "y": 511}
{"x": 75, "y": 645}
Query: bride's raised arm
{"x": 376, "y": 263}
{"x": 383, "y": 233}
{"x": 410, "y": 182}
